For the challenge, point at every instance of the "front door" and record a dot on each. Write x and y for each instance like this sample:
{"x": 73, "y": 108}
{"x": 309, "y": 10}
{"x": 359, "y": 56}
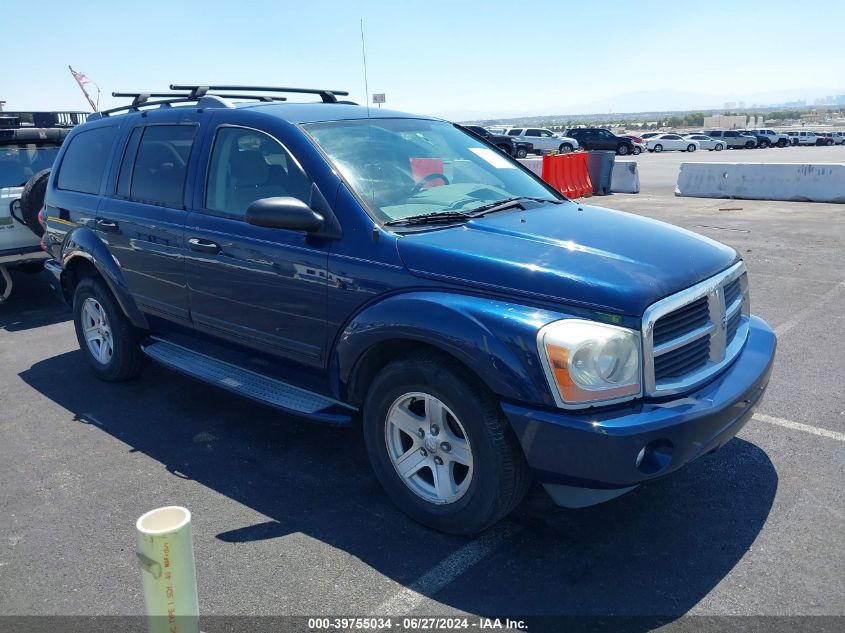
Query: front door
{"x": 261, "y": 287}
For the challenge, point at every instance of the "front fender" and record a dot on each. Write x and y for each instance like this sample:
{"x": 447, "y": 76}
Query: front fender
{"x": 496, "y": 339}
{"x": 83, "y": 242}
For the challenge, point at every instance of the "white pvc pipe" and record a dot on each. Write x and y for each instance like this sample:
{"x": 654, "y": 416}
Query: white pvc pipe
{"x": 166, "y": 555}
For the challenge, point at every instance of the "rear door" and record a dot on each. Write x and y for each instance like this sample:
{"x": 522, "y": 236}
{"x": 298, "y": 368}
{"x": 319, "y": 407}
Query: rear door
{"x": 144, "y": 218}
{"x": 262, "y": 287}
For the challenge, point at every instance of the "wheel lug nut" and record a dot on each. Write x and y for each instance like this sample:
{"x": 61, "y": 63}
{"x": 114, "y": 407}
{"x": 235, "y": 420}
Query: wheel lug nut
{"x": 438, "y": 461}
{"x": 423, "y": 452}
{"x": 435, "y": 429}
{"x": 445, "y": 447}
{"x": 420, "y": 433}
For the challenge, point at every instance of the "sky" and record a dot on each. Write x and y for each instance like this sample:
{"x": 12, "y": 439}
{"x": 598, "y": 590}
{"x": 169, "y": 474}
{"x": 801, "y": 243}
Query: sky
{"x": 461, "y": 60}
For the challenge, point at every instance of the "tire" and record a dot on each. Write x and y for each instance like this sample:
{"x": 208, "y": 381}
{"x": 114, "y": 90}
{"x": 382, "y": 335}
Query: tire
{"x": 763, "y": 144}
{"x": 782, "y": 142}
{"x": 92, "y": 300}
{"x": 719, "y": 147}
{"x": 476, "y": 496}
{"x": 750, "y": 145}
{"x": 32, "y": 201}
{"x": 505, "y": 149}
{"x": 829, "y": 142}
{"x": 690, "y": 148}
{"x": 521, "y": 152}
{"x": 622, "y": 149}
{"x": 658, "y": 148}
{"x": 637, "y": 150}
{"x": 565, "y": 148}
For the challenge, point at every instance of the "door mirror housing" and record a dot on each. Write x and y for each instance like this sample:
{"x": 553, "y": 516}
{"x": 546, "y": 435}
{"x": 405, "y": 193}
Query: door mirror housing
{"x": 283, "y": 213}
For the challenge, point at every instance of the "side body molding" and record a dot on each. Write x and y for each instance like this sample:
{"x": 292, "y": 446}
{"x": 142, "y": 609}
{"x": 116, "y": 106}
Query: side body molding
{"x": 496, "y": 339}
{"x": 83, "y": 242}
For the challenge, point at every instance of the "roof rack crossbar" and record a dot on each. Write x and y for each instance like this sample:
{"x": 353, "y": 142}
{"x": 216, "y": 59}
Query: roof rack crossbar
{"x": 328, "y": 96}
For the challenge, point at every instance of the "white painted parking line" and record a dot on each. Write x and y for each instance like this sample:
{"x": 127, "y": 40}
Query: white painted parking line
{"x": 798, "y": 426}
{"x": 447, "y": 570}
{"x": 801, "y": 316}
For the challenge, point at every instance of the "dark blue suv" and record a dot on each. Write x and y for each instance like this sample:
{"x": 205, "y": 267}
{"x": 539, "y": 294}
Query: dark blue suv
{"x": 393, "y": 271}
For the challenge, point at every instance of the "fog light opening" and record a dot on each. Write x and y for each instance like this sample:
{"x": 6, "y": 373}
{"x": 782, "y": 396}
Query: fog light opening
{"x": 654, "y": 456}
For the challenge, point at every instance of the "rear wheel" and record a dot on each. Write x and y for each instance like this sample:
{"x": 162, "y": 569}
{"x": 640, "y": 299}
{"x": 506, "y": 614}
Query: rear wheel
{"x": 565, "y": 148}
{"x": 107, "y": 339}
{"x": 440, "y": 446}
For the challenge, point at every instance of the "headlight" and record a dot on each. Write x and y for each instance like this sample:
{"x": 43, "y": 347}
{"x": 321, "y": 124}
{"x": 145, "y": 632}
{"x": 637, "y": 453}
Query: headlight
{"x": 590, "y": 363}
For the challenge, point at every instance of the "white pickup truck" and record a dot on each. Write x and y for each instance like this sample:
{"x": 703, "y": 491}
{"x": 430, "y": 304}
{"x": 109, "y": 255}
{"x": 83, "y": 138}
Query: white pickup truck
{"x": 544, "y": 140}
{"x": 27, "y": 153}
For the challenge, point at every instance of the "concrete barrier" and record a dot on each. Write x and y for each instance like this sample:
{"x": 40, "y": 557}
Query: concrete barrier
{"x": 625, "y": 177}
{"x": 534, "y": 164}
{"x": 820, "y": 182}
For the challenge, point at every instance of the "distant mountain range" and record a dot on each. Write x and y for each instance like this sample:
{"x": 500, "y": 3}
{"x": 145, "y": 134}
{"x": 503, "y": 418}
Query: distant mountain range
{"x": 649, "y": 101}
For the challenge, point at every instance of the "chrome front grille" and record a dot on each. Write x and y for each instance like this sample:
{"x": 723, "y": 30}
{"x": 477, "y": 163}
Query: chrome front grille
{"x": 692, "y": 335}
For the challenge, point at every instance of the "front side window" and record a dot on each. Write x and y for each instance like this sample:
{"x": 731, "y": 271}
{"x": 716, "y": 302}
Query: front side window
{"x": 21, "y": 161}
{"x": 514, "y": 132}
{"x": 161, "y": 165}
{"x": 85, "y": 159}
{"x": 407, "y": 167}
{"x": 247, "y": 165}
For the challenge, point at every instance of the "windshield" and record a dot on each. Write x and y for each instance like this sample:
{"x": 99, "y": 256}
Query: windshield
{"x": 21, "y": 161}
{"x": 410, "y": 167}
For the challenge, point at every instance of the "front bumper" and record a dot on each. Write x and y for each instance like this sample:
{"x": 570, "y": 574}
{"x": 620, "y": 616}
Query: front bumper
{"x": 599, "y": 449}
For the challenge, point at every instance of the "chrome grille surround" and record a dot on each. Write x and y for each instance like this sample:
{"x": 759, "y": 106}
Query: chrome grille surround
{"x": 722, "y": 322}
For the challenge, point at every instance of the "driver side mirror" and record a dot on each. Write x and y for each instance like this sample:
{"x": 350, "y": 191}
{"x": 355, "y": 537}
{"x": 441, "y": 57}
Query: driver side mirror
{"x": 283, "y": 213}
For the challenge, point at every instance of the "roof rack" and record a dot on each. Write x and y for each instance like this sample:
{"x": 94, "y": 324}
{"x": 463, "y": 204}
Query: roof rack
{"x": 206, "y": 99}
{"x": 328, "y": 96}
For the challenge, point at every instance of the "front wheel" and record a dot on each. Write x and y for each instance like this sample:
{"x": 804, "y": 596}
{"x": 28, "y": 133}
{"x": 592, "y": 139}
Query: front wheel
{"x": 750, "y": 145}
{"x": 622, "y": 150}
{"x": 565, "y": 148}
{"x": 440, "y": 446}
{"x": 521, "y": 152}
{"x": 637, "y": 150}
{"x": 763, "y": 144}
{"x": 690, "y": 147}
{"x": 658, "y": 148}
{"x": 782, "y": 142}
{"x": 719, "y": 147}
{"x": 107, "y": 339}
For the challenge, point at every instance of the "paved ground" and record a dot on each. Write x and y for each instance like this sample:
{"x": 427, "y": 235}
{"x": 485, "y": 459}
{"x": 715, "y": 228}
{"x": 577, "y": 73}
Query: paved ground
{"x": 289, "y": 519}
{"x": 659, "y": 172}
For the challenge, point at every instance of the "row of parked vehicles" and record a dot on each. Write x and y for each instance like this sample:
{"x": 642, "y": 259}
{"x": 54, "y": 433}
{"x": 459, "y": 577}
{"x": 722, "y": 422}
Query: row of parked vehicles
{"x": 519, "y": 142}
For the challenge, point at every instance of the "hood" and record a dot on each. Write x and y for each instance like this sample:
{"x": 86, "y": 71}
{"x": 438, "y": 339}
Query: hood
{"x": 569, "y": 253}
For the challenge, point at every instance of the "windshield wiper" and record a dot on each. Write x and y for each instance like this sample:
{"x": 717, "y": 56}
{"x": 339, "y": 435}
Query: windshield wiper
{"x": 508, "y": 203}
{"x": 431, "y": 218}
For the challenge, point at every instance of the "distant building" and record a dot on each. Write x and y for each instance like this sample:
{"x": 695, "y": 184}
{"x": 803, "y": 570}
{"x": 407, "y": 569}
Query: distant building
{"x": 725, "y": 122}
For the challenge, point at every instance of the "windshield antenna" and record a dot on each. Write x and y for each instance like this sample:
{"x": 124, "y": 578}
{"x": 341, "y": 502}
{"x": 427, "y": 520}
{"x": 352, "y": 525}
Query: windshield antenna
{"x": 366, "y": 84}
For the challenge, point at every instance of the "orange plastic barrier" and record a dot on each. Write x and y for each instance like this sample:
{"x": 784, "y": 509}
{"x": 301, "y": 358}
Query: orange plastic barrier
{"x": 568, "y": 174}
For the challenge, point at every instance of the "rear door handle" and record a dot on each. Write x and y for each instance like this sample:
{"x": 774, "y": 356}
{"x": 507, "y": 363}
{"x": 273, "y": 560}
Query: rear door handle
{"x": 203, "y": 246}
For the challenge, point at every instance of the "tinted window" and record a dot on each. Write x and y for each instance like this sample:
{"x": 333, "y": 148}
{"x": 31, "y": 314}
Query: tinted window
{"x": 21, "y": 161}
{"x": 124, "y": 179}
{"x": 84, "y": 161}
{"x": 532, "y": 133}
{"x": 161, "y": 164}
{"x": 514, "y": 132}
{"x": 247, "y": 165}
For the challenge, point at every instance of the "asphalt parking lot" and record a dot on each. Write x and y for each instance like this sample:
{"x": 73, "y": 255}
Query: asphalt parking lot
{"x": 289, "y": 520}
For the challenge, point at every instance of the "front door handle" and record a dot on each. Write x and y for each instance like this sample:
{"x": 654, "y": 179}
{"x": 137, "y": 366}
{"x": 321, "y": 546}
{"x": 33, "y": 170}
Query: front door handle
{"x": 203, "y": 246}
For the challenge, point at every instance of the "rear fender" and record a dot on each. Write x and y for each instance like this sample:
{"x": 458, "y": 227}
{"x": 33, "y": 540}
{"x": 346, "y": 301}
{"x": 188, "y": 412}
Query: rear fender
{"x": 494, "y": 339}
{"x": 84, "y": 243}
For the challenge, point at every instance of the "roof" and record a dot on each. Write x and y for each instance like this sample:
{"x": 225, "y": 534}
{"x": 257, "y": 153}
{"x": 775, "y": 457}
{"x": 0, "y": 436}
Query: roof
{"x": 313, "y": 112}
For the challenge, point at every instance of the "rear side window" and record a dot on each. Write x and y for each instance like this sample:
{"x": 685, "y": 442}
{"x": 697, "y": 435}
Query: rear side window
{"x": 158, "y": 176}
{"x": 531, "y": 132}
{"x": 85, "y": 159}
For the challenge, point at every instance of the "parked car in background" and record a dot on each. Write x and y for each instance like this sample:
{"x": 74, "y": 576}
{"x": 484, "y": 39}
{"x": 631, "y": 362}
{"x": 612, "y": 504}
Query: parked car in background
{"x": 649, "y": 135}
{"x": 543, "y": 140}
{"x": 639, "y": 144}
{"x": 379, "y": 271}
{"x": 510, "y": 145}
{"x": 802, "y": 137}
{"x": 670, "y": 142}
{"x": 706, "y": 142}
{"x": 733, "y": 139}
{"x": 839, "y": 138}
{"x": 596, "y": 138}
{"x": 769, "y": 138}
{"x": 825, "y": 138}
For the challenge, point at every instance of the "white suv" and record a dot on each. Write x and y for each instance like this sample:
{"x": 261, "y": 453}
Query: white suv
{"x": 803, "y": 137}
{"x": 544, "y": 140}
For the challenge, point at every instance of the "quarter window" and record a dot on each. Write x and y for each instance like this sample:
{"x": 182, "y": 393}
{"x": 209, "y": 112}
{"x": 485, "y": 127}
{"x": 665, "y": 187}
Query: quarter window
{"x": 161, "y": 165}
{"x": 247, "y": 165}
{"x": 85, "y": 159}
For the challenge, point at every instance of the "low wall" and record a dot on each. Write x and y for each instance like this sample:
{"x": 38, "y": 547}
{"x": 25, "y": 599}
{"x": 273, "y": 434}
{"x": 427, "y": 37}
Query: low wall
{"x": 820, "y": 182}
{"x": 625, "y": 177}
{"x": 534, "y": 164}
